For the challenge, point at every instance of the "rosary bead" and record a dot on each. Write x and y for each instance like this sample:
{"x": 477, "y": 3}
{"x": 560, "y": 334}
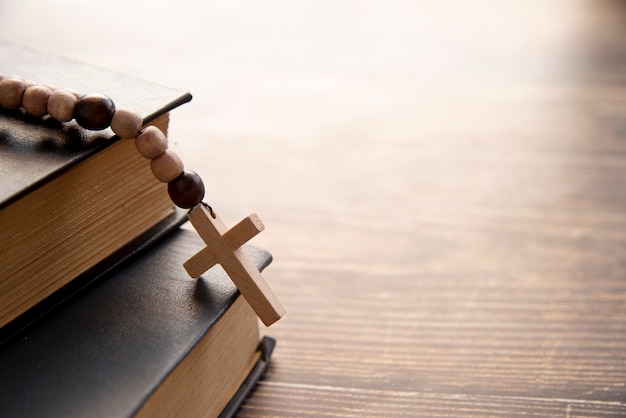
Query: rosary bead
{"x": 126, "y": 123}
{"x": 151, "y": 142}
{"x": 61, "y": 105}
{"x": 167, "y": 166}
{"x": 94, "y": 111}
{"x": 97, "y": 112}
{"x": 35, "y": 100}
{"x": 11, "y": 92}
{"x": 186, "y": 190}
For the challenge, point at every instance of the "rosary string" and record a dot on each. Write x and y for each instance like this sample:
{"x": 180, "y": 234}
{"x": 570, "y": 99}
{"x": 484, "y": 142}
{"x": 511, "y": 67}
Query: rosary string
{"x": 96, "y": 112}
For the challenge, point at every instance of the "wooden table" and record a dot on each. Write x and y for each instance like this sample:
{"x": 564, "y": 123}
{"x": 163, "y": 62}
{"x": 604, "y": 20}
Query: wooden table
{"x": 443, "y": 187}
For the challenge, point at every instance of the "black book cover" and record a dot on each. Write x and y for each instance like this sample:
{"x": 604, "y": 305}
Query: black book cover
{"x": 30, "y": 155}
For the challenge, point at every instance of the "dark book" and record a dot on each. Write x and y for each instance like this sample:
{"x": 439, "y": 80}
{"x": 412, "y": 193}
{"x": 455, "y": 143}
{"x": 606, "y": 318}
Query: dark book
{"x": 142, "y": 340}
{"x": 70, "y": 198}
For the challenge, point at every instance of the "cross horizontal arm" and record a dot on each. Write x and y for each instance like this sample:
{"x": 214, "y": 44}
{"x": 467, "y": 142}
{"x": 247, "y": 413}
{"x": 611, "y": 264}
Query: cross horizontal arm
{"x": 235, "y": 237}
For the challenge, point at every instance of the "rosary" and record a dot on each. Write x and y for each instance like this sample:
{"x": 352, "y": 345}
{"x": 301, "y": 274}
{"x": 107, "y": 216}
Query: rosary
{"x": 185, "y": 187}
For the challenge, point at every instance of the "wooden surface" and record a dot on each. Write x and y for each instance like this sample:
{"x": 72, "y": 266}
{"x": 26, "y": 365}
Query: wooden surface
{"x": 443, "y": 186}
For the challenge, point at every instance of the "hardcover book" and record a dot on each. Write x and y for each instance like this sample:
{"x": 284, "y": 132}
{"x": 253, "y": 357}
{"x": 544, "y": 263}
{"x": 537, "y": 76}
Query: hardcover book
{"x": 144, "y": 339}
{"x": 70, "y": 198}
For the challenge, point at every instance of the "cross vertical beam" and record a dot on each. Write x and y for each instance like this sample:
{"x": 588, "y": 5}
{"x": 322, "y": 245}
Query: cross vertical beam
{"x": 242, "y": 271}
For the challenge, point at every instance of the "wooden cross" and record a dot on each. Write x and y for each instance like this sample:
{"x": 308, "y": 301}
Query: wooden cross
{"x": 223, "y": 247}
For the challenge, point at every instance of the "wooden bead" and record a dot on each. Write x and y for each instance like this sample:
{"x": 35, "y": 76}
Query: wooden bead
{"x": 11, "y": 92}
{"x": 126, "y": 123}
{"x": 61, "y": 105}
{"x": 186, "y": 190}
{"x": 35, "y": 100}
{"x": 167, "y": 166}
{"x": 94, "y": 111}
{"x": 151, "y": 142}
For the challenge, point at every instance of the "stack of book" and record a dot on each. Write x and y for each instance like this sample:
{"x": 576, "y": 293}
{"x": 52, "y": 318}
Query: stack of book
{"x": 97, "y": 315}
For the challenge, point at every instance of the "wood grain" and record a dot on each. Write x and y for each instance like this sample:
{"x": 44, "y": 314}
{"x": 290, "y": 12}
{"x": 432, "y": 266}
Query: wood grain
{"x": 236, "y": 264}
{"x": 235, "y": 237}
{"x": 442, "y": 185}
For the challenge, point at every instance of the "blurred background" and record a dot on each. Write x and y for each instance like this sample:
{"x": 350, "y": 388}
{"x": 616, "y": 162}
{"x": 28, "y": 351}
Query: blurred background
{"x": 442, "y": 182}
{"x": 320, "y": 109}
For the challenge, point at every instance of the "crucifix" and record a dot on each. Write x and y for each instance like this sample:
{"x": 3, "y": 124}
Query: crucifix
{"x": 223, "y": 247}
